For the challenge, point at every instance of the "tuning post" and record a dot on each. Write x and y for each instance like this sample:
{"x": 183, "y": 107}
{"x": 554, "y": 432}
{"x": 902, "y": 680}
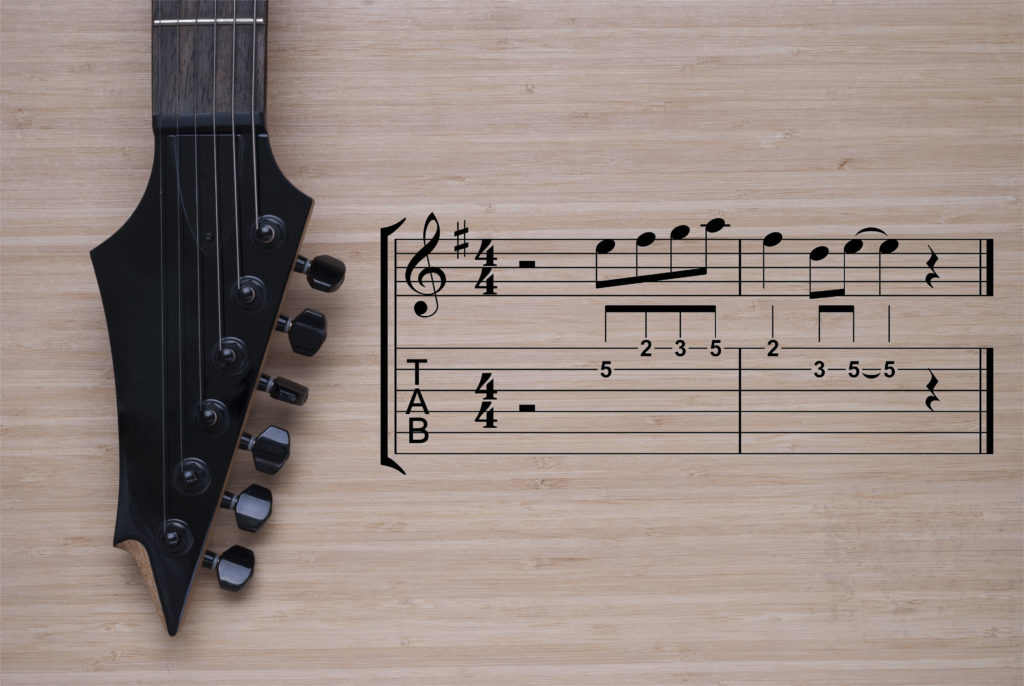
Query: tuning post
{"x": 323, "y": 272}
{"x": 234, "y": 567}
{"x": 251, "y": 507}
{"x": 210, "y": 415}
{"x": 249, "y": 293}
{"x": 283, "y": 389}
{"x": 270, "y": 449}
{"x": 265, "y": 233}
{"x": 306, "y": 331}
{"x": 231, "y": 356}
{"x": 268, "y": 233}
{"x": 174, "y": 537}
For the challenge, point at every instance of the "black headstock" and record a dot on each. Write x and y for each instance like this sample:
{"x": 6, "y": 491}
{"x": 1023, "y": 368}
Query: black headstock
{"x": 192, "y": 287}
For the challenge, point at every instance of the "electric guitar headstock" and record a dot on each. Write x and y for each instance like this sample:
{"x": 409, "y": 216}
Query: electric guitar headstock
{"x": 192, "y": 287}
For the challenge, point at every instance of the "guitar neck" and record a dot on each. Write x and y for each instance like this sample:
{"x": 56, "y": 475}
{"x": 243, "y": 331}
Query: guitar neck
{"x": 209, "y": 65}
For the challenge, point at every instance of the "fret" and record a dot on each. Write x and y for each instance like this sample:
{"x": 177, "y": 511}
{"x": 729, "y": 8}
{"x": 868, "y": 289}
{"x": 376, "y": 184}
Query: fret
{"x": 195, "y": 45}
{"x": 207, "y": 21}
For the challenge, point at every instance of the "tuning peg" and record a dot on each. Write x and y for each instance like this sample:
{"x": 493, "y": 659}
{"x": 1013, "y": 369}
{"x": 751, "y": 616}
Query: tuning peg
{"x": 270, "y": 449}
{"x": 251, "y": 506}
{"x": 323, "y": 272}
{"x": 306, "y": 331}
{"x": 234, "y": 567}
{"x": 283, "y": 389}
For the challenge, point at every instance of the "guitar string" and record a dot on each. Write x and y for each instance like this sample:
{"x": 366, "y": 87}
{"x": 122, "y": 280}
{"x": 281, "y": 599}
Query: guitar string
{"x": 180, "y": 239}
{"x": 234, "y": 152}
{"x": 252, "y": 119}
{"x": 216, "y": 182}
{"x": 195, "y": 175}
{"x": 163, "y": 319}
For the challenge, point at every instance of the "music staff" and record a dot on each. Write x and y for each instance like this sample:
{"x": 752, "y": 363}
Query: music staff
{"x": 737, "y": 400}
{"x": 871, "y": 264}
{"x": 661, "y": 385}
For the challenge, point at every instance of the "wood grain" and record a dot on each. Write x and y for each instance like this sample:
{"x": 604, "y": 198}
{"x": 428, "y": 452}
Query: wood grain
{"x": 557, "y": 120}
{"x": 189, "y": 80}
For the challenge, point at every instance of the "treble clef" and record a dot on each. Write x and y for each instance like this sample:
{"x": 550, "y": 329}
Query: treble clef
{"x": 435, "y": 275}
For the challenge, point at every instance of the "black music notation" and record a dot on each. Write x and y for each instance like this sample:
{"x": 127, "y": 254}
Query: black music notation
{"x": 646, "y": 310}
{"x": 621, "y": 371}
{"x": 416, "y": 276}
{"x": 932, "y": 397}
{"x": 489, "y": 396}
{"x": 871, "y": 263}
{"x": 852, "y": 247}
{"x": 647, "y": 239}
{"x": 840, "y": 309}
{"x": 932, "y": 274}
{"x": 695, "y": 398}
{"x": 461, "y": 245}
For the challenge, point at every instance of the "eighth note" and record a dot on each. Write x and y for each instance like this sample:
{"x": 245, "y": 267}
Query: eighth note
{"x": 817, "y": 255}
{"x": 852, "y": 247}
{"x": 435, "y": 274}
{"x": 645, "y": 240}
{"x": 886, "y": 247}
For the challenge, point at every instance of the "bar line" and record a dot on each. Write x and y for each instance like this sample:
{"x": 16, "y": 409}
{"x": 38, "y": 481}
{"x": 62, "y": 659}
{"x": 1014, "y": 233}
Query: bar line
{"x": 989, "y": 271}
{"x": 739, "y": 266}
{"x": 990, "y": 397}
{"x": 739, "y": 400}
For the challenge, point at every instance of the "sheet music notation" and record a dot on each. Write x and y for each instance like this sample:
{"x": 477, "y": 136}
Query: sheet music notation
{"x": 683, "y": 262}
{"x": 568, "y": 345}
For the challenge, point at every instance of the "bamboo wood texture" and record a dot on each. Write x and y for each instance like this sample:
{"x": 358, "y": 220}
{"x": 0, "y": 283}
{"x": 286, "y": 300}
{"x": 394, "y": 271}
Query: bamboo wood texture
{"x": 567, "y": 119}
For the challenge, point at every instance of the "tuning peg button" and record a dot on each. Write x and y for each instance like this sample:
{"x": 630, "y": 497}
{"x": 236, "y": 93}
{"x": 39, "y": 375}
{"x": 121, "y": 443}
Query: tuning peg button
{"x": 252, "y": 506}
{"x": 283, "y": 389}
{"x": 270, "y": 449}
{"x": 234, "y": 567}
{"x": 323, "y": 272}
{"x": 306, "y": 331}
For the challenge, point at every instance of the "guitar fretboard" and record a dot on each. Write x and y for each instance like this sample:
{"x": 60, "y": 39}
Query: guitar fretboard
{"x": 209, "y": 63}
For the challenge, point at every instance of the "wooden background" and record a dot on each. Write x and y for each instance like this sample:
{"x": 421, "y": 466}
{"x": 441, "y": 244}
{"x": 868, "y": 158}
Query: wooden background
{"x": 534, "y": 116}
